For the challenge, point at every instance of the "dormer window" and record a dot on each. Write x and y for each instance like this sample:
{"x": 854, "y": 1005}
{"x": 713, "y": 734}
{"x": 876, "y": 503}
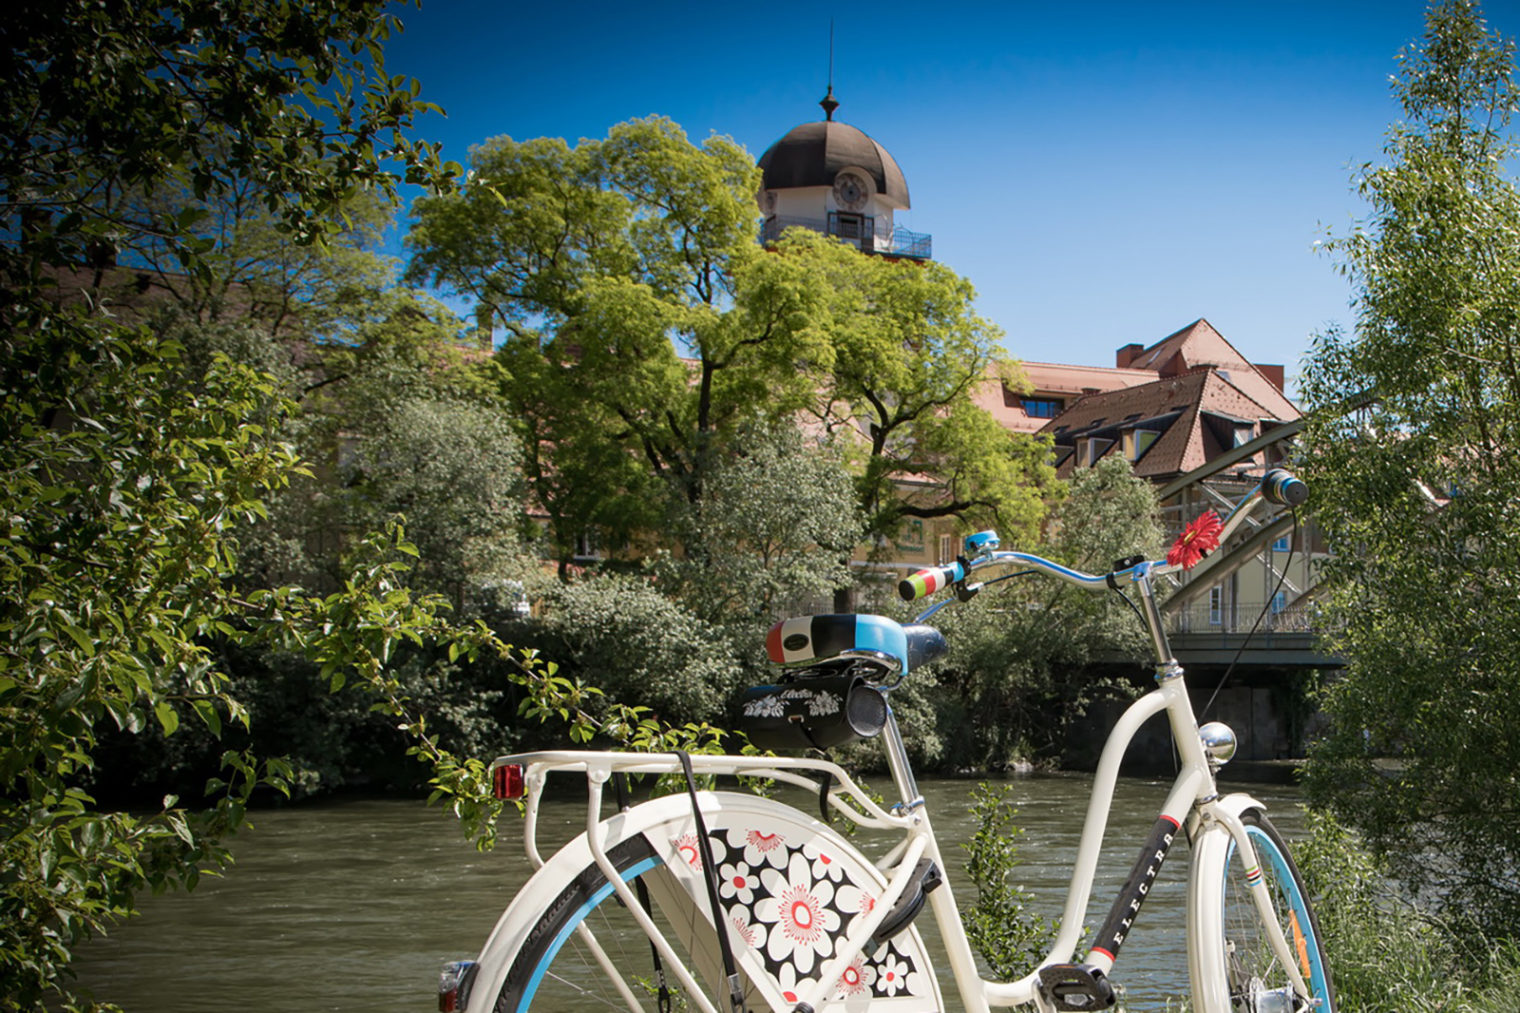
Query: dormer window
{"x": 1042, "y": 407}
{"x": 1244, "y": 433}
{"x": 1138, "y": 441}
{"x": 1090, "y": 449}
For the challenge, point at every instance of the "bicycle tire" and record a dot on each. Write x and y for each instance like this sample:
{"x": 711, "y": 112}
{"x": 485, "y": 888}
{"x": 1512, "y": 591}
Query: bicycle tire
{"x": 536, "y": 962}
{"x": 1234, "y": 968}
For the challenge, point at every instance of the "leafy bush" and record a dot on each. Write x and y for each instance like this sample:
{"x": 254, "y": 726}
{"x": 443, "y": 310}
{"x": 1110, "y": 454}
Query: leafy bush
{"x": 1387, "y": 954}
{"x": 619, "y": 633}
{"x": 1010, "y": 937}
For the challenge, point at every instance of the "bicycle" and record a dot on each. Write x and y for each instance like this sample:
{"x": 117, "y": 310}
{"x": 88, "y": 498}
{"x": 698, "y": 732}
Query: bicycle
{"x": 809, "y": 923}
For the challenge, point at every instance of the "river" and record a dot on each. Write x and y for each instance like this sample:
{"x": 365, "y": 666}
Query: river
{"x": 356, "y": 905}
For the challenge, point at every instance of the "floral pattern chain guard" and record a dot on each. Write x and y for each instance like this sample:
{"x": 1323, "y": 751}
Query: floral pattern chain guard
{"x": 790, "y": 899}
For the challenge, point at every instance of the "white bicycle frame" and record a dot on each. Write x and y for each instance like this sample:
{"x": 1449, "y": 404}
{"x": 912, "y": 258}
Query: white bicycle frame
{"x": 1193, "y": 803}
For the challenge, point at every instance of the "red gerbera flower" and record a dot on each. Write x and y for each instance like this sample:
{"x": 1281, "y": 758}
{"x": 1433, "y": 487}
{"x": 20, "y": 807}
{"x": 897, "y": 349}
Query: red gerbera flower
{"x": 1197, "y": 540}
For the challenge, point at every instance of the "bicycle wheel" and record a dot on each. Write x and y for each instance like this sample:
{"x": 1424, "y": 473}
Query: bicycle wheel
{"x": 789, "y": 888}
{"x": 1234, "y": 966}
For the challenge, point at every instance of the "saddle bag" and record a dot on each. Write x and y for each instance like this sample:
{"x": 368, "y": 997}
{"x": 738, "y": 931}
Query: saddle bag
{"x": 815, "y": 708}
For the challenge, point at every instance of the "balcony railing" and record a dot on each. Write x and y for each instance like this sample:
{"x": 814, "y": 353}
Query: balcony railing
{"x": 859, "y": 231}
{"x": 918, "y": 245}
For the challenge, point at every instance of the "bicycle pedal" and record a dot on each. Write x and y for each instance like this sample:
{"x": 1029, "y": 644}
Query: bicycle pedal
{"x": 1076, "y": 987}
{"x": 925, "y": 877}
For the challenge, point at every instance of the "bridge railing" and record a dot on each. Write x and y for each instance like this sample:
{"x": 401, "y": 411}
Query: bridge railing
{"x": 1240, "y": 616}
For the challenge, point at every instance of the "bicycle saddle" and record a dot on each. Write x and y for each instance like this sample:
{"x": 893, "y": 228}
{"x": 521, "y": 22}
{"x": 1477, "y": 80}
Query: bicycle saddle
{"x": 808, "y": 640}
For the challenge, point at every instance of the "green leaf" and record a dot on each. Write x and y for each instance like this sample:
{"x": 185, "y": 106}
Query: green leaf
{"x": 210, "y": 715}
{"x": 80, "y": 637}
{"x": 168, "y": 718}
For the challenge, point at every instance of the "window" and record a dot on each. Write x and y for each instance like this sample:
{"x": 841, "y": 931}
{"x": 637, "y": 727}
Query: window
{"x": 1043, "y": 407}
{"x": 1244, "y": 434}
{"x": 910, "y": 536}
{"x": 946, "y": 549}
{"x": 1279, "y": 602}
{"x": 1283, "y": 544}
{"x": 587, "y": 546}
{"x": 852, "y": 227}
{"x": 1090, "y": 449}
{"x": 1216, "y": 605}
{"x": 1138, "y": 441}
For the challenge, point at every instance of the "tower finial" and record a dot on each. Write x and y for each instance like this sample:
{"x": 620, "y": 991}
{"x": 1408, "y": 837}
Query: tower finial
{"x": 829, "y": 102}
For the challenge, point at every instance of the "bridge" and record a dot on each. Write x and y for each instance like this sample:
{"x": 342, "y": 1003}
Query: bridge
{"x": 1248, "y": 609}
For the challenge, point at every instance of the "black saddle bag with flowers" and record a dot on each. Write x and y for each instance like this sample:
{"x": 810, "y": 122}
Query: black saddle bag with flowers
{"x": 814, "y": 708}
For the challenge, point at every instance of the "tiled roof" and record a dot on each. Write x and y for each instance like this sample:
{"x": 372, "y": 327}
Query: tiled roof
{"x": 1199, "y": 344}
{"x": 1195, "y": 415}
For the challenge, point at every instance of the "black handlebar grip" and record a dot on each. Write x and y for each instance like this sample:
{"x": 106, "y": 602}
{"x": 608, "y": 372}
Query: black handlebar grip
{"x": 1284, "y": 488}
{"x": 927, "y": 581}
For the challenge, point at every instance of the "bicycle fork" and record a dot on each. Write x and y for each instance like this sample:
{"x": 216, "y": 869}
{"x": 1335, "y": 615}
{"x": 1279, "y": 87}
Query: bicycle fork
{"x": 1266, "y": 911}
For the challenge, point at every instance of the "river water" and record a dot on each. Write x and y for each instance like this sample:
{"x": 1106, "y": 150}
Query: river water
{"x": 356, "y": 905}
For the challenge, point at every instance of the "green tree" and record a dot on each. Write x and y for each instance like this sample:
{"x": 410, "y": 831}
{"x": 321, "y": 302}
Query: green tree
{"x": 1017, "y": 650}
{"x": 1416, "y": 417}
{"x": 909, "y": 355}
{"x": 105, "y": 103}
{"x": 120, "y": 486}
{"x": 771, "y": 532}
{"x": 123, "y": 482}
{"x": 646, "y": 328}
{"x": 249, "y": 268}
{"x": 601, "y": 261}
{"x": 396, "y": 424}
{"x": 403, "y": 420}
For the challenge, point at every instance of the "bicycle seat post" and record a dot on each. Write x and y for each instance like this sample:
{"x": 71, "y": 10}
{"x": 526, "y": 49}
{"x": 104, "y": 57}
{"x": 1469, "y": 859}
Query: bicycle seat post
{"x": 902, "y": 769}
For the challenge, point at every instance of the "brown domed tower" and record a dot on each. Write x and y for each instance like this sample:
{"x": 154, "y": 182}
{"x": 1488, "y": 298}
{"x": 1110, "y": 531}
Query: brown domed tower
{"x": 833, "y": 178}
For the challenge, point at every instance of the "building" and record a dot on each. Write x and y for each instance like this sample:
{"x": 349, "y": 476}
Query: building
{"x": 1181, "y": 403}
{"x": 1053, "y": 387}
{"x": 832, "y": 178}
{"x": 1198, "y": 401}
{"x": 1188, "y": 413}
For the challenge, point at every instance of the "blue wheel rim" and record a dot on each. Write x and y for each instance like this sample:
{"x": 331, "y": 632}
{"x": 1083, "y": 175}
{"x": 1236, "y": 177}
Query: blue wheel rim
{"x": 530, "y": 989}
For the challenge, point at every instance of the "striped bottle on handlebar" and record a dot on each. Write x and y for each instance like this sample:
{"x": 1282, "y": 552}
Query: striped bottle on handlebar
{"x": 926, "y": 582}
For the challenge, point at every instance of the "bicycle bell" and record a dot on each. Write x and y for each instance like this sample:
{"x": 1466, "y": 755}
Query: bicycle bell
{"x": 981, "y": 542}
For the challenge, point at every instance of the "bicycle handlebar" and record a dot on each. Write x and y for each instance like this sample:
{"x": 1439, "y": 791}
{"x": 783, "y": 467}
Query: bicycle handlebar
{"x": 1277, "y": 486}
{"x": 927, "y": 581}
{"x": 1284, "y": 488}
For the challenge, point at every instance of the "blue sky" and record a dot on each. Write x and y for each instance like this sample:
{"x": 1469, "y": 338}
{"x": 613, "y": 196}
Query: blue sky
{"x": 1102, "y": 172}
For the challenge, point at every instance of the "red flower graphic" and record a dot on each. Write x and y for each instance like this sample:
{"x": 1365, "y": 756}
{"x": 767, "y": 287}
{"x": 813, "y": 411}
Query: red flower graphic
{"x": 1197, "y": 540}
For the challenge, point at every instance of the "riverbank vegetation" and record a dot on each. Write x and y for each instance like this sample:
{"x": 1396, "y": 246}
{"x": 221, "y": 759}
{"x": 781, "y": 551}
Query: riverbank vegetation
{"x": 1410, "y": 454}
{"x": 1391, "y": 952}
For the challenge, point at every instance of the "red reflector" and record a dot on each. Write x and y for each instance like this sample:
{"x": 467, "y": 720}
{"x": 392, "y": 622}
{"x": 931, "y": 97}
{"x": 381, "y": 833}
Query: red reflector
{"x": 454, "y": 985}
{"x": 507, "y": 780}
